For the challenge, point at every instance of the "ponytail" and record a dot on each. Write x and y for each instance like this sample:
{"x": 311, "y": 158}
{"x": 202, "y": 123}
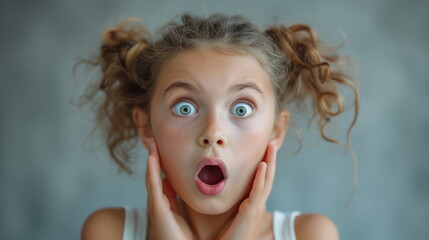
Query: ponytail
{"x": 121, "y": 88}
{"x": 310, "y": 73}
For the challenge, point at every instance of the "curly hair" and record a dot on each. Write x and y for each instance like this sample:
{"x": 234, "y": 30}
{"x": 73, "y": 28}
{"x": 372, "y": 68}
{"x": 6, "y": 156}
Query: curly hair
{"x": 130, "y": 62}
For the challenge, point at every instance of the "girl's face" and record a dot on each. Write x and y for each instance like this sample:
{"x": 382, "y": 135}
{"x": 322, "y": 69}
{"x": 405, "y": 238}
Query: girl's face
{"x": 210, "y": 108}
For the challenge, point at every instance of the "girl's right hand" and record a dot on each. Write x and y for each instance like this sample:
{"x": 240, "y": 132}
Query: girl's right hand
{"x": 165, "y": 220}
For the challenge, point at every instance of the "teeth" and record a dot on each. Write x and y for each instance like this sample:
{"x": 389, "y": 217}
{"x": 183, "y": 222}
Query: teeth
{"x": 211, "y": 174}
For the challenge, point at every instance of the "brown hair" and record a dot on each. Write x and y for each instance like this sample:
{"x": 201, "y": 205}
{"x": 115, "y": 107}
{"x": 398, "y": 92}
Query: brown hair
{"x": 130, "y": 62}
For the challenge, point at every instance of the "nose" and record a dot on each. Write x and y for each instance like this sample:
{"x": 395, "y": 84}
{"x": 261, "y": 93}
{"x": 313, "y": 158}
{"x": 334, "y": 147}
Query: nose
{"x": 212, "y": 134}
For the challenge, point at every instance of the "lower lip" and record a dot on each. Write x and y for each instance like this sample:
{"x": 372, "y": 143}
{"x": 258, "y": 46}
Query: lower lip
{"x": 210, "y": 189}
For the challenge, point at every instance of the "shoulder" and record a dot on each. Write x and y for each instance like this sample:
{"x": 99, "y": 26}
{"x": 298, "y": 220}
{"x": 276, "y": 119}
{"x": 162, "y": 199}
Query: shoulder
{"x": 315, "y": 226}
{"x": 106, "y": 223}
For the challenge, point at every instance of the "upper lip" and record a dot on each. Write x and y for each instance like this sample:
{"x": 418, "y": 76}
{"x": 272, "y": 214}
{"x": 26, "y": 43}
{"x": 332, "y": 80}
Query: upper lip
{"x": 211, "y": 162}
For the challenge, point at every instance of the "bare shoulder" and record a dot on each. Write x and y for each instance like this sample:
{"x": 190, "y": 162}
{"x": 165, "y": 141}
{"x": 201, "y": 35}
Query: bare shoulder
{"x": 106, "y": 223}
{"x": 315, "y": 226}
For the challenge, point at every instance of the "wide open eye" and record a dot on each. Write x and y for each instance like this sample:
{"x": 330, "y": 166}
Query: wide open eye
{"x": 184, "y": 109}
{"x": 242, "y": 109}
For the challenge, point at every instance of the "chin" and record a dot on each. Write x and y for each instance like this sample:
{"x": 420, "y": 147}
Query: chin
{"x": 210, "y": 205}
{"x": 213, "y": 209}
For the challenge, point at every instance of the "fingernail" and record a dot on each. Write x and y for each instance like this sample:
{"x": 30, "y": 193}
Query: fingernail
{"x": 151, "y": 146}
{"x": 273, "y": 147}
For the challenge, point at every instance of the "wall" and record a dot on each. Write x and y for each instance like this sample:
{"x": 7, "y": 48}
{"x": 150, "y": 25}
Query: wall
{"x": 51, "y": 178}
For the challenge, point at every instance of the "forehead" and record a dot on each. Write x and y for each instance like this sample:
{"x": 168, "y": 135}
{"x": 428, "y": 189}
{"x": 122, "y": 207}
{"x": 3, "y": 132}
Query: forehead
{"x": 209, "y": 68}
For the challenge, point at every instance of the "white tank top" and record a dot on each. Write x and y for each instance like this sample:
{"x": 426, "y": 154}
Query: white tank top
{"x": 135, "y": 224}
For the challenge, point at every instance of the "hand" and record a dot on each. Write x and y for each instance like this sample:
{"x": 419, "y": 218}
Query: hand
{"x": 250, "y": 214}
{"x": 165, "y": 221}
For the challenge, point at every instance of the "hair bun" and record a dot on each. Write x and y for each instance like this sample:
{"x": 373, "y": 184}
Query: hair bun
{"x": 121, "y": 47}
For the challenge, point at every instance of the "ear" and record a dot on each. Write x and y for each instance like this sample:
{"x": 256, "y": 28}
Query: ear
{"x": 280, "y": 128}
{"x": 141, "y": 120}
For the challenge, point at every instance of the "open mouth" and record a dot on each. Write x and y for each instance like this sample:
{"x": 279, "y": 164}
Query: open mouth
{"x": 211, "y": 175}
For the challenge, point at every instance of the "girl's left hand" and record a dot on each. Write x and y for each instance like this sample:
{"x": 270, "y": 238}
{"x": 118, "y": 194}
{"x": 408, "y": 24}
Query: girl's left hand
{"x": 247, "y": 222}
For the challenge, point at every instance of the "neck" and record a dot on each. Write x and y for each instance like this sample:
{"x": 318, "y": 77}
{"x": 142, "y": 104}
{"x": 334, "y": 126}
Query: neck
{"x": 207, "y": 227}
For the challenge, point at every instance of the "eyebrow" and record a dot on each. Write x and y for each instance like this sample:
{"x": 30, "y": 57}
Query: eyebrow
{"x": 234, "y": 88}
{"x": 250, "y": 85}
{"x": 184, "y": 85}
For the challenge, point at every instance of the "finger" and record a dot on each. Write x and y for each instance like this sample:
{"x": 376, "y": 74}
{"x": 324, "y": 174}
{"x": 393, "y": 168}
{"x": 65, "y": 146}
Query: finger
{"x": 153, "y": 174}
{"x": 148, "y": 172}
{"x": 155, "y": 182}
{"x": 258, "y": 184}
{"x": 270, "y": 159}
{"x": 149, "y": 185}
{"x": 154, "y": 149}
{"x": 171, "y": 195}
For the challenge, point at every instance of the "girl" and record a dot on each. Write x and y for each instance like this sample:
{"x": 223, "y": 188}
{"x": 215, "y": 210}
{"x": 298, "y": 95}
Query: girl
{"x": 209, "y": 100}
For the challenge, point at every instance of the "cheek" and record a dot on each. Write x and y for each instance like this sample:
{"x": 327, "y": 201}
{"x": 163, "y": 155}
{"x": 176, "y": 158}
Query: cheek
{"x": 249, "y": 149}
{"x": 170, "y": 138}
{"x": 255, "y": 140}
{"x": 252, "y": 149}
{"x": 173, "y": 141}
{"x": 255, "y": 136}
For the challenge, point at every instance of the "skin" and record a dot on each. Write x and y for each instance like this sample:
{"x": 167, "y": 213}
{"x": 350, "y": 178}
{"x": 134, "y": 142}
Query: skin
{"x": 212, "y": 84}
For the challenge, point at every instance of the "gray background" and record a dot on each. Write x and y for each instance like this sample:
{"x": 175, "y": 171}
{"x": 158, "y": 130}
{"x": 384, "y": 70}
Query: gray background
{"x": 51, "y": 178}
